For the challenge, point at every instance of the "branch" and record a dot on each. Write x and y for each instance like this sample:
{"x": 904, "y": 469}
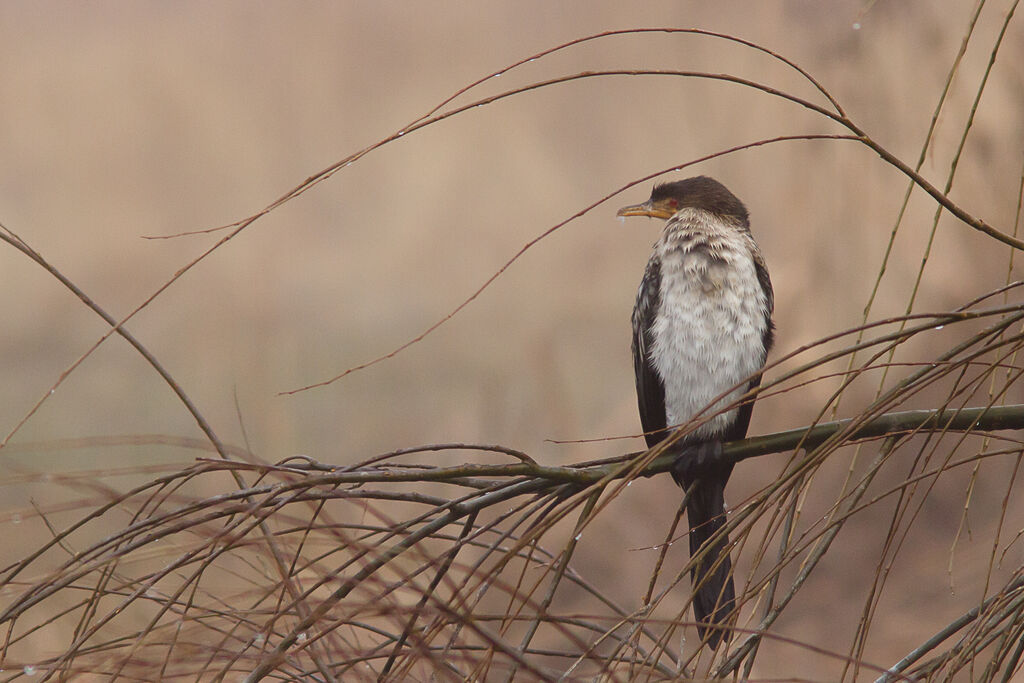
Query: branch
{"x": 986, "y": 418}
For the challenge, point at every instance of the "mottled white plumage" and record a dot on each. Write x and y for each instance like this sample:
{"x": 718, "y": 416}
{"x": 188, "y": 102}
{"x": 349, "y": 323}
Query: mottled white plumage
{"x": 708, "y": 332}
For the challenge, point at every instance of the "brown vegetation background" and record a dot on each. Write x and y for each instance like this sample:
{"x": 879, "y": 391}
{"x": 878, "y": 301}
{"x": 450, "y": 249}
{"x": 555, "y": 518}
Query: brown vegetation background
{"x": 123, "y": 120}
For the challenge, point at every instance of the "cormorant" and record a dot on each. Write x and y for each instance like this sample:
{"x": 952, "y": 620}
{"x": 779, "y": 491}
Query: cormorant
{"x": 701, "y": 326}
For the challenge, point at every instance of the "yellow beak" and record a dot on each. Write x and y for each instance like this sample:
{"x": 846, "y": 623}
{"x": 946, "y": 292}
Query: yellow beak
{"x": 646, "y": 209}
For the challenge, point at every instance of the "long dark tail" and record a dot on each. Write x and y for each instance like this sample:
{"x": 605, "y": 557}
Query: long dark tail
{"x": 714, "y": 594}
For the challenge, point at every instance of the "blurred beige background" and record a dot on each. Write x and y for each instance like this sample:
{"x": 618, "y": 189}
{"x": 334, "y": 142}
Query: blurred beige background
{"x": 121, "y": 120}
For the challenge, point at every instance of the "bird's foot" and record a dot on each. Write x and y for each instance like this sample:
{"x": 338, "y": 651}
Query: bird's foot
{"x": 695, "y": 460}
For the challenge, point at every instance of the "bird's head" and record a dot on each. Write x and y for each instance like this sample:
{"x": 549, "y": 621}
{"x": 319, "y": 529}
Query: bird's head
{"x": 700, "y": 192}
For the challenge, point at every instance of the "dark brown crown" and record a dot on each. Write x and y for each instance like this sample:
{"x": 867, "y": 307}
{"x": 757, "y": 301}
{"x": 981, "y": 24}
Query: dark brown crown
{"x": 702, "y": 192}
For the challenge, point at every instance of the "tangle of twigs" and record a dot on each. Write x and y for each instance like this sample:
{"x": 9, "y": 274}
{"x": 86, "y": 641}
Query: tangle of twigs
{"x": 395, "y": 569}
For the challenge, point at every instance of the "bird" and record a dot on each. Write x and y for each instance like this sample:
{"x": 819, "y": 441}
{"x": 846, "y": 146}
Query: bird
{"x": 702, "y": 328}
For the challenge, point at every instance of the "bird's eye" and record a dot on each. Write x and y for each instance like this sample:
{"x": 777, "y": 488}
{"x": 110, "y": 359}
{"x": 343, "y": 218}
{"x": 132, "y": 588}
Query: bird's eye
{"x": 674, "y": 203}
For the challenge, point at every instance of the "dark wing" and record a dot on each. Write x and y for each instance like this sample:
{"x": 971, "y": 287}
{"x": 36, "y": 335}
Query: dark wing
{"x": 650, "y": 391}
{"x": 739, "y": 428}
{"x": 766, "y": 285}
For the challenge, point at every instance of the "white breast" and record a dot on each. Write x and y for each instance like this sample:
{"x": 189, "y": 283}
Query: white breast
{"x": 709, "y": 330}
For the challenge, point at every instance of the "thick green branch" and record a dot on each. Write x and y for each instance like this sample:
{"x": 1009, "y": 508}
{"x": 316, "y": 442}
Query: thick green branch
{"x": 993, "y": 418}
